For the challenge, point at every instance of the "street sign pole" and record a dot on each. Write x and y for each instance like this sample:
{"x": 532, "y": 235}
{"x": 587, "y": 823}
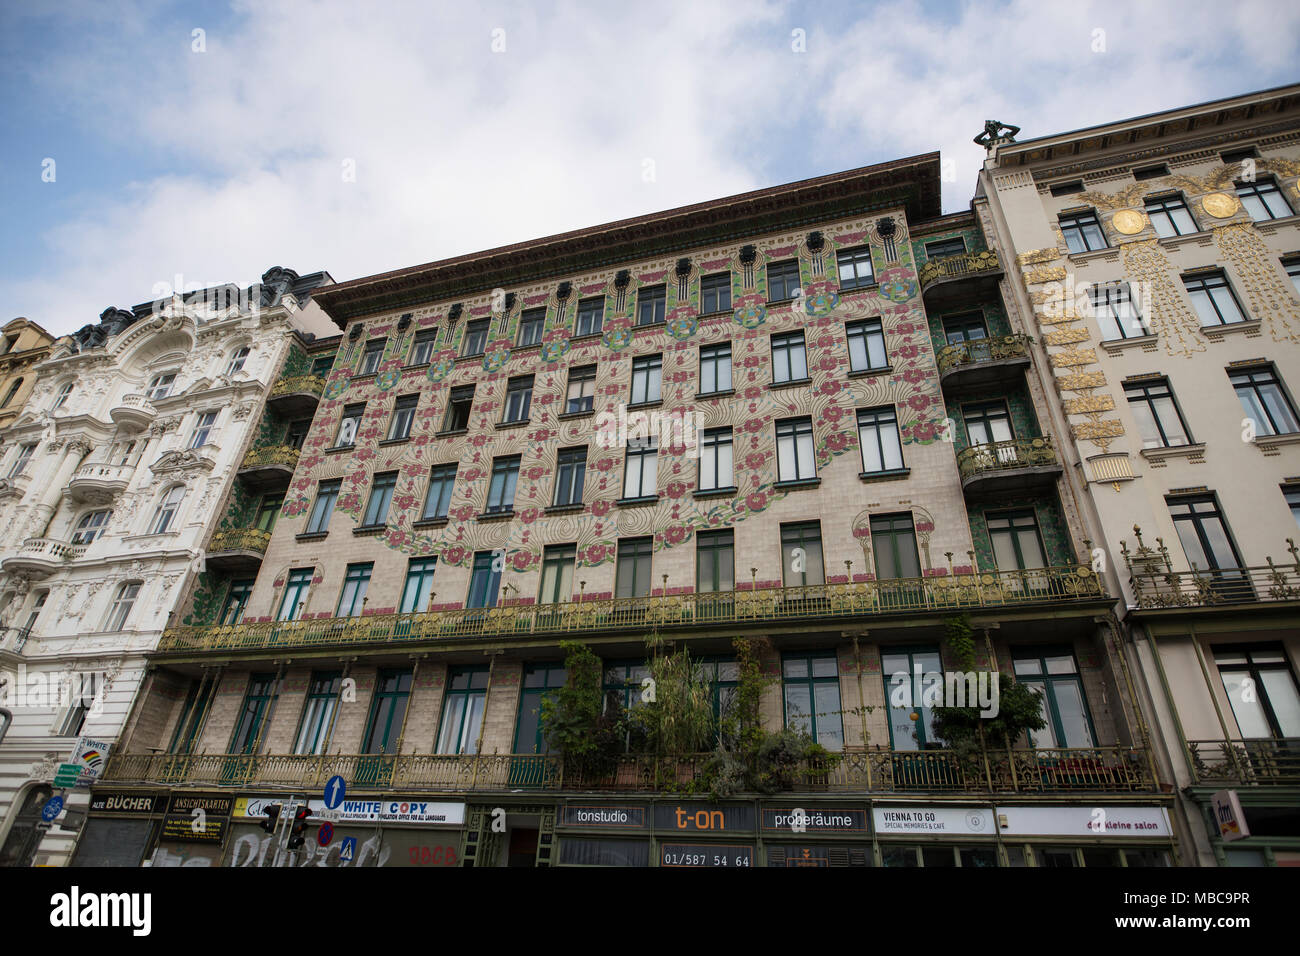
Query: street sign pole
{"x": 282, "y": 839}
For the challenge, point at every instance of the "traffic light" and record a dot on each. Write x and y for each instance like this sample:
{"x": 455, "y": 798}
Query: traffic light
{"x": 297, "y": 834}
{"x": 272, "y": 817}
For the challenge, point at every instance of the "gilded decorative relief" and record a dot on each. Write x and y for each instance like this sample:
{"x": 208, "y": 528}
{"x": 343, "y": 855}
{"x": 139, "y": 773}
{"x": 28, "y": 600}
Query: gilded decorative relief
{"x": 1129, "y": 222}
{"x": 1038, "y": 255}
{"x": 1271, "y": 300}
{"x": 1220, "y": 205}
{"x": 1166, "y": 310}
{"x": 1045, "y": 274}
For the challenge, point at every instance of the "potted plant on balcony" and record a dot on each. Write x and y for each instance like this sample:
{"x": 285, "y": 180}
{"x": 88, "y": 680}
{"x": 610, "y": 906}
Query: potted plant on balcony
{"x": 579, "y": 727}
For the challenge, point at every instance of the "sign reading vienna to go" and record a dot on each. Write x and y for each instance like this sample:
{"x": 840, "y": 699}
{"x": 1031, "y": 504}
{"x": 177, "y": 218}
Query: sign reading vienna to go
{"x": 89, "y": 756}
{"x": 955, "y": 820}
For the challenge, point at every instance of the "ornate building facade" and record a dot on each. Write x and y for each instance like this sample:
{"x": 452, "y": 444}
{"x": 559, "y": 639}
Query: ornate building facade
{"x": 115, "y": 474}
{"x": 23, "y": 343}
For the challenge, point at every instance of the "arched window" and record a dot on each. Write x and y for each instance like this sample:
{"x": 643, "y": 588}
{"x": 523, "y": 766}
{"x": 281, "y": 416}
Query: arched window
{"x": 91, "y": 526}
{"x": 167, "y": 510}
{"x": 25, "y": 836}
{"x": 237, "y": 361}
{"x": 13, "y": 390}
{"x": 64, "y": 392}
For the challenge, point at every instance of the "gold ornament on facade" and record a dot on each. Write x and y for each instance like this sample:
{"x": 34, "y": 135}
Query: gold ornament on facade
{"x": 1219, "y": 205}
{"x": 1179, "y": 330}
{"x": 1080, "y": 381}
{"x": 1066, "y": 336}
{"x": 1270, "y": 299}
{"x": 1038, "y": 255}
{"x": 1089, "y": 404}
{"x": 1068, "y": 358}
{"x": 1045, "y": 274}
{"x": 1125, "y": 197}
{"x": 1129, "y": 222}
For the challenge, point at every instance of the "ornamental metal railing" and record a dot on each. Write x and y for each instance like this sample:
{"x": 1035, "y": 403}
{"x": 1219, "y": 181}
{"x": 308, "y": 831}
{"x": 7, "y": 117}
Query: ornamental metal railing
{"x": 1268, "y": 761}
{"x": 271, "y": 455}
{"x": 1156, "y": 584}
{"x": 297, "y": 385}
{"x": 1114, "y": 769}
{"x": 959, "y": 266}
{"x": 1006, "y": 456}
{"x": 982, "y": 350}
{"x": 944, "y": 594}
{"x": 240, "y": 539}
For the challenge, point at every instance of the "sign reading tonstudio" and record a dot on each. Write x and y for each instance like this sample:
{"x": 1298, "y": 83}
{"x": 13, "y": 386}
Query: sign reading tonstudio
{"x": 612, "y": 816}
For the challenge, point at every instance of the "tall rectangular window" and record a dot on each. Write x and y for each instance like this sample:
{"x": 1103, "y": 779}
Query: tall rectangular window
{"x": 348, "y": 425}
{"x": 1170, "y": 216}
{"x": 591, "y": 316}
{"x": 322, "y": 365}
{"x": 801, "y": 554}
{"x": 484, "y": 581}
{"x": 810, "y": 686}
{"x": 716, "y": 467}
{"x": 641, "y": 469}
{"x": 967, "y": 327}
{"x": 356, "y": 582}
{"x": 123, "y": 602}
{"x": 866, "y": 340}
{"x": 203, "y": 429}
{"x": 715, "y": 293}
{"x": 318, "y": 712}
{"x": 441, "y": 481}
{"x": 464, "y": 702}
{"x": 794, "y": 450}
{"x": 855, "y": 268}
{"x": 268, "y": 512}
{"x": 1082, "y": 232}
{"x": 715, "y": 368}
{"x": 1292, "y": 266}
{"x": 257, "y": 701}
{"x": 1213, "y": 298}
{"x": 1264, "y": 401}
{"x": 519, "y": 399}
{"x": 878, "y": 436}
{"x": 387, "y": 712}
{"x": 501, "y": 492}
{"x": 646, "y": 373}
{"x": 1054, "y": 673}
{"x": 1203, "y": 533}
{"x": 459, "y": 403}
{"x": 1016, "y": 543}
{"x": 296, "y": 433}
{"x": 531, "y": 323}
{"x": 418, "y": 588}
{"x": 1159, "y": 422}
{"x": 632, "y": 575}
{"x": 942, "y": 248}
{"x": 381, "y": 496}
{"x": 1115, "y": 311}
{"x": 295, "y": 594}
{"x": 1292, "y": 495}
{"x": 789, "y": 361}
{"x": 782, "y": 280}
{"x": 715, "y": 561}
{"x": 327, "y": 493}
{"x": 987, "y": 422}
{"x": 650, "y": 302}
{"x": 168, "y": 508}
{"x": 581, "y": 393}
{"x": 1262, "y": 200}
{"x": 1262, "y": 689}
{"x": 911, "y": 722}
{"x": 236, "y": 600}
{"x": 476, "y": 334}
{"x": 25, "y": 453}
{"x": 422, "y": 349}
{"x": 403, "y": 417}
{"x": 893, "y": 539}
{"x": 371, "y": 357}
{"x": 539, "y": 681}
{"x": 570, "y": 475}
{"x": 557, "y": 574}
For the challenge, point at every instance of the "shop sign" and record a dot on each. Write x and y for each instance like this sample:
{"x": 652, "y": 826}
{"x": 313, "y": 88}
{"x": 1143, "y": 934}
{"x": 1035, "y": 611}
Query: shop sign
{"x": 941, "y": 821}
{"x": 89, "y": 757}
{"x": 815, "y": 820}
{"x": 703, "y": 817}
{"x": 1227, "y": 814}
{"x": 400, "y": 810}
{"x": 612, "y": 816}
{"x": 700, "y": 855}
{"x": 1085, "y": 821}
{"x": 133, "y": 803}
{"x": 196, "y": 818}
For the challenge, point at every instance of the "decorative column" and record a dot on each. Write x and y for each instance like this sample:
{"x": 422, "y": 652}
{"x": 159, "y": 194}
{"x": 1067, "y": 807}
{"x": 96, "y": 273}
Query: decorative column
{"x": 52, "y": 494}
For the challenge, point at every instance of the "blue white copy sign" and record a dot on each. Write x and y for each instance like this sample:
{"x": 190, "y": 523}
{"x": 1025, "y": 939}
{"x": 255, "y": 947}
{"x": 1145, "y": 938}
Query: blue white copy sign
{"x": 53, "y": 807}
{"x": 335, "y": 791}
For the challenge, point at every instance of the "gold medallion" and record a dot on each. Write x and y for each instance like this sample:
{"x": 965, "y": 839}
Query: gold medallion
{"x": 1129, "y": 222}
{"x": 1219, "y": 205}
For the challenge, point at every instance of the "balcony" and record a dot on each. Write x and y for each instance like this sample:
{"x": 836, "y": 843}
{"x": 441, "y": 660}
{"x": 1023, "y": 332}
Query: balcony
{"x": 1156, "y": 585}
{"x": 950, "y": 276}
{"x": 1092, "y": 770}
{"x": 1262, "y": 762}
{"x": 12, "y": 642}
{"x": 133, "y": 413}
{"x": 241, "y": 549}
{"x": 14, "y": 487}
{"x": 984, "y": 362}
{"x": 296, "y": 396}
{"x": 1006, "y": 467}
{"x": 99, "y": 483}
{"x": 830, "y": 602}
{"x": 268, "y": 465}
{"x": 40, "y": 557}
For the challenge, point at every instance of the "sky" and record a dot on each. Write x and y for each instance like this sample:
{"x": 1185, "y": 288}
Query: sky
{"x": 152, "y": 145}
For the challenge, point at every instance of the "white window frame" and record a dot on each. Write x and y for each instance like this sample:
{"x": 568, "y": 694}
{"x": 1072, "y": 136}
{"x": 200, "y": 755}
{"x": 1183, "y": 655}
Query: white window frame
{"x": 158, "y": 525}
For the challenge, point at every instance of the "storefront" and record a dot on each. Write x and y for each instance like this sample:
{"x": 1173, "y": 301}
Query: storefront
{"x": 121, "y": 826}
{"x": 193, "y": 830}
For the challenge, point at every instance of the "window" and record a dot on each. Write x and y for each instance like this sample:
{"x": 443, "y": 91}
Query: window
{"x": 371, "y": 356}
{"x": 519, "y": 398}
{"x": 167, "y": 509}
{"x": 349, "y": 425}
{"x": 1150, "y": 172}
{"x": 387, "y": 713}
{"x": 715, "y": 561}
{"x": 1272, "y": 709}
{"x": 646, "y": 372}
{"x": 539, "y": 680}
{"x": 187, "y": 726}
{"x": 381, "y": 496}
{"x": 236, "y": 600}
{"x": 295, "y": 594}
{"x": 591, "y": 316}
{"x": 1292, "y": 267}
{"x": 237, "y": 361}
{"x": 128, "y": 450}
{"x": 352, "y": 599}
{"x": 878, "y": 436}
{"x": 810, "y": 685}
{"x": 418, "y": 589}
{"x": 715, "y": 293}
{"x": 789, "y": 362}
{"x": 633, "y": 570}
{"x": 327, "y": 493}
{"x": 1082, "y": 232}
{"x": 25, "y": 453}
{"x": 715, "y": 368}
{"x": 458, "y": 406}
{"x": 855, "y": 268}
{"x": 557, "y": 574}
{"x": 794, "y": 450}
{"x": 801, "y": 554}
{"x": 203, "y": 429}
{"x": 160, "y": 386}
{"x": 866, "y": 340}
{"x": 581, "y": 395}
{"x": 893, "y": 539}
{"x": 967, "y": 327}
{"x": 987, "y": 422}
{"x": 441, "y": 480}
{"x": 941, "y": 248}
{"x": 570, "y": 474}
{"x": 485, "y": 580}
{"x": 462, "y": 710}
{"x": 716, "y": 460}
{"x": 622, "y": 685}
{"x": 782, "y": 280}
{"x": 322, "y": 365}
{"x": 1292, "y": 495}
{"x": 13, "y": 390}
{"x": 1170, "y": 216}
{"x": 422, "y": 350}
{"x": 296, "y": 433}
{"x": 403, "y": 417}
{"x": 476, "y": 334}
{"x": 1159, "y": 421}
{"x": 501, "y": 493}
{"x": 1263, "y": 200}
{"x": 1203, "y": 534}
{"x": 1016, "y": 543}
{"x": 1054, "y": 673}
{"x": 650, "y": 302}
{"x": 1213, "y": 299}
{"x": 1116, "y": 314}
{"x": 91, "y": 527}
{"x": 1067, "y": 189}
{"x": 641, "y": 468}
{"x": 257, "y": 702}
{"x": 317, "y": 713}
{"x": 531, "y": 323}
{"x": 123, "y": 601}
{"x": 899, "y": 667}
{"x": 1233, "y": 156}
{"x": 1264, "y": 402}
{"x": 64, "y": 392}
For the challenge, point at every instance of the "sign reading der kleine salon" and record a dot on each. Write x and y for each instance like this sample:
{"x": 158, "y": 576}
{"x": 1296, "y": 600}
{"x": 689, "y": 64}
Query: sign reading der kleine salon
{"x": 1086, "y": 821}
{"x": 959, "y": 821}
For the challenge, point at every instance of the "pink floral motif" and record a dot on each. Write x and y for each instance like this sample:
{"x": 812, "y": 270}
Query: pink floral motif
{"x": 529, "y": 515}
{"x": 600, "y": 508}
{"x": 837, "y": 441}
{"x": 675, "y": 489}
{"x": 596, "y": 553}
{"x": 756, "y": 501}
{"x": 677, "y": 534}
{"x": 755, "y": 459}
{"x": 454, "y": 555}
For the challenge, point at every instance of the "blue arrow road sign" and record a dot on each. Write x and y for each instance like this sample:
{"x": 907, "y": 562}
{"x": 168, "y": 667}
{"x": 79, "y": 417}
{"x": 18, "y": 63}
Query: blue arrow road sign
{"x": 335, "y": 790}
{"x": 325, "y": 834}
{"x": 347, "y": 849}
{"x": 53, "y": 807}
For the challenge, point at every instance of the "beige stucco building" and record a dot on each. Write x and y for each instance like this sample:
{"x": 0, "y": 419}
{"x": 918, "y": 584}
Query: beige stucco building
{"x": 23, "y": 344}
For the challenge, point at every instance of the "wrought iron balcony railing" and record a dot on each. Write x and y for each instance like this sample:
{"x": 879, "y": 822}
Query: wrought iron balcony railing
{"x": 1003, "y": 347}
{"x": 945, "y": 594}
{"x": 1093, "y": 770}
{"x": 1006, "y": 456}
{"x": 240, "y": 539}
{"x": 1156, "y": 584}
{"x": 298, "y": 384}
{"x": 959, "y": 267}
{"x": 1262, "y": 762}
{"x": 271, "y": 456}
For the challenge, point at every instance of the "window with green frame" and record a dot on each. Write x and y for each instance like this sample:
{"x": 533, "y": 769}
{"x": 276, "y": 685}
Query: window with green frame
{"x": 539, "y": 680}
{"x": 1053, "y": 671}
{"x": 419, "y": 585}
{"x": 893, "y": 539}
{"x": 463, "y": 704}
{"x": 1017, "y": 544}
{"x": 801, "y": 554}
{"x": 810, "y": 687}
{"x": 318, "y": 712}
{"x": 622, "y": 685}
{"x": 187, "y": 727}
{"x": 557, "y": 574}
{"x": 899, "y": 668}
{"x": 484, "y": 581}
{"x": 257, "y": 701}
{"x": 715, "y": 561}
{"x": 387, "y": 711}
{"x": 236, "y": 600}
{"x": 268, "y": 511}
{"x": 356, "y": 582}
{"x": 295, "y": 594}
{"x": 724, "y": 674}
